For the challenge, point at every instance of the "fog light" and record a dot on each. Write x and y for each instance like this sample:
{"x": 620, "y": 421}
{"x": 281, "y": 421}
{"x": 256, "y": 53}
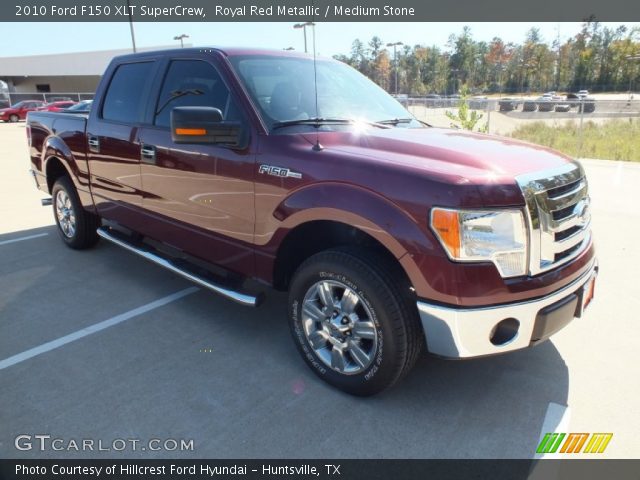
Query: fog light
{"x": 504, "y": 332}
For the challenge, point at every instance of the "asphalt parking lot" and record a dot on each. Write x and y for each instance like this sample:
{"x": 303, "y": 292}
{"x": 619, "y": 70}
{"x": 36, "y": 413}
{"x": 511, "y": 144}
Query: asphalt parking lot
{"x": 102, "y": 345}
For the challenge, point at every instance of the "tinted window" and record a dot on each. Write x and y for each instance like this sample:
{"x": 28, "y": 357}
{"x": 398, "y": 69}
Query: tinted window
{"x": 124, "y": 99}
{"x": 193, "y": 83}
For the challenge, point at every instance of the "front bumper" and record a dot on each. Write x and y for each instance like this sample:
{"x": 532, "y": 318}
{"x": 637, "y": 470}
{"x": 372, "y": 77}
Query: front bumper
{"x": 473, "y": 332}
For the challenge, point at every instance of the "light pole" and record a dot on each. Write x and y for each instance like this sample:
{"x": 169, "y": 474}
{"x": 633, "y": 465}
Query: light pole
{"x": 133, "y": 36}
{"x": 304, "y": 26}
{"x": 395, "y": 45}
{"x": 181, "y": 38}
{"x": 455, "y": 80}
{"x": 501, "y": 69}
{"x": 525, "y": 70}
{"x": 631, "y": 57}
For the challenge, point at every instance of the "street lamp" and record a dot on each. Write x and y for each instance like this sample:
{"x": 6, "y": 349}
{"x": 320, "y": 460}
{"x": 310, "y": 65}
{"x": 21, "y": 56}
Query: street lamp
{"x": 455, "y": 79}
{"x": 133, "y": 35}
{"x": 181, "y": 38}
{"x": 395, "y": 60}
{"x": 525, "y": 70}
{"x": 304, "y": 26}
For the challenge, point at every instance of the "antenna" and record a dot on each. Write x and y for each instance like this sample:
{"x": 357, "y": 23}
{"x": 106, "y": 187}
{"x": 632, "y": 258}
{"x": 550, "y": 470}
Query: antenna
{"x": 317, "y": 147}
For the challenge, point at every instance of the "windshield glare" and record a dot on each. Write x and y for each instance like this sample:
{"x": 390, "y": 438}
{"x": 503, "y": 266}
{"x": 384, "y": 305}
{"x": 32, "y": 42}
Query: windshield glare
{"x": 283, "y": 90}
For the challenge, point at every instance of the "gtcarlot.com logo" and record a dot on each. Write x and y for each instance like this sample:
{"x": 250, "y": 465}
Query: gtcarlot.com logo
{"x": 44, "y": 443}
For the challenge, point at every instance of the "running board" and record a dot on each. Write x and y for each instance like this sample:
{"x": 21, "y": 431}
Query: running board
{"x": 241, "y": 298}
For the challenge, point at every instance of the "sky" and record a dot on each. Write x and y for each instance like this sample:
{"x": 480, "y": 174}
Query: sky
{"x": 19, "y": 39}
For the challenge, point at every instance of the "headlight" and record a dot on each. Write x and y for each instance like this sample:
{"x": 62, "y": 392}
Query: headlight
{"x": 498, "y": 236}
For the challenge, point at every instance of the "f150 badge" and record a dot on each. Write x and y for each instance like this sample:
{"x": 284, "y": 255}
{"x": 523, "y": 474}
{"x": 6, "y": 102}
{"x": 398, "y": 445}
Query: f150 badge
{"x": 278, "y": 171}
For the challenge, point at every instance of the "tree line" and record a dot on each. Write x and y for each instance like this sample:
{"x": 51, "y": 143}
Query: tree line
{"x": 596, "y": 58}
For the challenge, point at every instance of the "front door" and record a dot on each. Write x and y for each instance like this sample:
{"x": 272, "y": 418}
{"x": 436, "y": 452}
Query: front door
{"x": 203, "y": 195}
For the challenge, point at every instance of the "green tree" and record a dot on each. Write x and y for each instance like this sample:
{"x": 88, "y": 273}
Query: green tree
{"x": 465, "y": 118}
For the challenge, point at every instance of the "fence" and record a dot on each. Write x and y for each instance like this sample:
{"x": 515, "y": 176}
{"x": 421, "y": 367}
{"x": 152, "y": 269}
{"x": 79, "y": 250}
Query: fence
{"x": 569, "y": 125}
{"x": 8, "y": 99}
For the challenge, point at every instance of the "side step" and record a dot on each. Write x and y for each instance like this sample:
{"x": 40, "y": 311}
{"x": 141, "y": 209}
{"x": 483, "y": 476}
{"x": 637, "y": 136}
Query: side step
{"x": 155, "y": 257}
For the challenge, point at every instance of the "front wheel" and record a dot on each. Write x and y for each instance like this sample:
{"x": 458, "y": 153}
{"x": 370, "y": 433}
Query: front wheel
{"x": 76, "y": 226}
{"x": 353, "y": 320}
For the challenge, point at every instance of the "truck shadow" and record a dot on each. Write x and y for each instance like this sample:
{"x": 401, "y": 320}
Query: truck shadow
{"x": 252, "y": 396}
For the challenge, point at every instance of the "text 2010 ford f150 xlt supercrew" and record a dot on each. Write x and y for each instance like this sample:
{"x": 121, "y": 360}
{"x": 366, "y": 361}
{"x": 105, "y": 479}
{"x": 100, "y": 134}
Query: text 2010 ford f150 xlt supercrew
{"x": 228, "y": 167}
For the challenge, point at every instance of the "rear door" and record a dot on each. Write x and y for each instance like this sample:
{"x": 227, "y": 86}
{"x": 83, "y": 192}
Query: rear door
{"x": 113, "y": 149}
{"x": 203, "y": 195}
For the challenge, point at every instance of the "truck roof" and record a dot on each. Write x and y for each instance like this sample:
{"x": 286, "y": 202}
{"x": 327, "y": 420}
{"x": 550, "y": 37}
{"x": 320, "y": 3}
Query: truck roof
{"x": 227, "y": 51}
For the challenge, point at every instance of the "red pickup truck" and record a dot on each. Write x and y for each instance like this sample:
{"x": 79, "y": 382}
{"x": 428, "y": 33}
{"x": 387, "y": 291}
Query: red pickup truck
{"x": 245, "y": 169}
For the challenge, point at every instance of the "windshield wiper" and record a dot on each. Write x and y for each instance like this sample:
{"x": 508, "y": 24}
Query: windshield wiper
{"x": 177, "y": 94}
{"x": 318, "y": 121}
{"x": 395, "y": 121}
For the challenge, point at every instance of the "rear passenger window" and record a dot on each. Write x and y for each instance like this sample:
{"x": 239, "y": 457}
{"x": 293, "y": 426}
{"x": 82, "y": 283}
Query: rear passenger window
{"x": 125, "y": 95}
{"x": 191, "y": 83}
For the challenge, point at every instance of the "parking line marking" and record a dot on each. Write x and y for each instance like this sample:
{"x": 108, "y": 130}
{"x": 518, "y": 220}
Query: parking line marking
{"x": 556, "y": 420}
{"x": 72, "y": 337}
{"x": 5, "y": 242}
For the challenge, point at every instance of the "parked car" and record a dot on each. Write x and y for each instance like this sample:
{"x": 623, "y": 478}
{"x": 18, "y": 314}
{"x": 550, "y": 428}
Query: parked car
{"x": 508, "y": 104}
{"x": 19, "y": 110}
{"x": 478, "y": 102}
{"x": 57, "y": 106}
{"x": 545, "y": 103}
{"x": 529, "y": 106}
{"x": 390, "y": 237}
{"x": 582, "y": 102}
{"x": 583, "y": 93}
{"x": 81, "y": 107}
{"x": 588, "y": 104}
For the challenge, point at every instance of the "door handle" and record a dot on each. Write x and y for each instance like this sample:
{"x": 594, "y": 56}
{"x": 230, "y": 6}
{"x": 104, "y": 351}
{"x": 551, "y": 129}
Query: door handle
{"x": 148, "y": 154}
{"x": 94, "y": 144}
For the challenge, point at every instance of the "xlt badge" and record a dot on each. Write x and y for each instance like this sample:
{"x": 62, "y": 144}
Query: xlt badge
{"x": 278, "y": 171}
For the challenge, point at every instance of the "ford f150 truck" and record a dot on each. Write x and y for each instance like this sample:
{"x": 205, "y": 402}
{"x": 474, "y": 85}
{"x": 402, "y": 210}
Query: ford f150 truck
{"x": 244, "y": 169}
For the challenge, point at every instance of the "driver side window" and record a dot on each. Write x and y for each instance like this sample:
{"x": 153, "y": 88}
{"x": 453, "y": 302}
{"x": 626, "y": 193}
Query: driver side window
{"x": 191, "y": 83}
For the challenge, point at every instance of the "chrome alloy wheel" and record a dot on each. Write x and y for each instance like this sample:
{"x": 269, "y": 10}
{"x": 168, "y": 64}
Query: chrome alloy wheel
{"x": 339, "y": 326}
{"x": 66, "y": 215}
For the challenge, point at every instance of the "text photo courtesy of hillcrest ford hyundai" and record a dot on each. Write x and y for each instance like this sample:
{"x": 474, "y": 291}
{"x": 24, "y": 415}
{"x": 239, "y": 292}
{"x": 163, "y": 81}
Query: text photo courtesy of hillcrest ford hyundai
{"x": 340, "y": 239}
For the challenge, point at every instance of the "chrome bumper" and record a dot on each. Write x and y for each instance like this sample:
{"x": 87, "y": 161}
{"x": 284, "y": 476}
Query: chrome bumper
{"x": 464, "y": 333}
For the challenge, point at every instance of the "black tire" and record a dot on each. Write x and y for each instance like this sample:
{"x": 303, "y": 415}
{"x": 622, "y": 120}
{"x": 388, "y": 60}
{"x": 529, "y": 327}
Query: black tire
{"x": 14, "y": 118}
{"x": 383, "y": 295}
{"x": 84, "y": 233}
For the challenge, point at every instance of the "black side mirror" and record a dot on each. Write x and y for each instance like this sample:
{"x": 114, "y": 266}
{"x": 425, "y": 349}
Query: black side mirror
{"x": 205, "y": 125}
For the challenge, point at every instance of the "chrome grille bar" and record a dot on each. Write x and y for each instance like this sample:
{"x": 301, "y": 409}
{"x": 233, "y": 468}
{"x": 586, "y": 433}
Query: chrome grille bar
{"x": 557, "y": 200}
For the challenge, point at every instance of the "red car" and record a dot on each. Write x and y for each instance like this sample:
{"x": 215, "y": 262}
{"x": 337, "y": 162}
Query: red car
{"x": 57, "y": 106}
{"x": 19, "y": 110}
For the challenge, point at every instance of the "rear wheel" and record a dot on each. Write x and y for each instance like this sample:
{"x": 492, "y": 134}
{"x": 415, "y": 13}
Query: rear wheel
{"x": 353, "y": 320}
{"x": 14, "y": 118}
{"x": 76, "y": 226}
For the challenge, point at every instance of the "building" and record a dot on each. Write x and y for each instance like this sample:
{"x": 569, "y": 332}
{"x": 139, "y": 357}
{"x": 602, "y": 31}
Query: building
{"x": 59, "y": 73}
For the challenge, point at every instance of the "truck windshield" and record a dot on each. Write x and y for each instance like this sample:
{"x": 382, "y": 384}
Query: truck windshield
{"x": 283, "y": 90}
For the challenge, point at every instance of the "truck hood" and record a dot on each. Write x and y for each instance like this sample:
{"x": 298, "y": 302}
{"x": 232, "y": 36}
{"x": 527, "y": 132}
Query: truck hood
{"x": 457, "y": 153}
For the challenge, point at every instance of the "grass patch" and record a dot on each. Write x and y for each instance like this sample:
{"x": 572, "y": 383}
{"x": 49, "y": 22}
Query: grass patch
{"x": 611, "y": 140}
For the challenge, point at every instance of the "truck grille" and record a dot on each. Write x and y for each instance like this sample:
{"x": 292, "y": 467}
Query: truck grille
{"x": 558, "y": 215}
